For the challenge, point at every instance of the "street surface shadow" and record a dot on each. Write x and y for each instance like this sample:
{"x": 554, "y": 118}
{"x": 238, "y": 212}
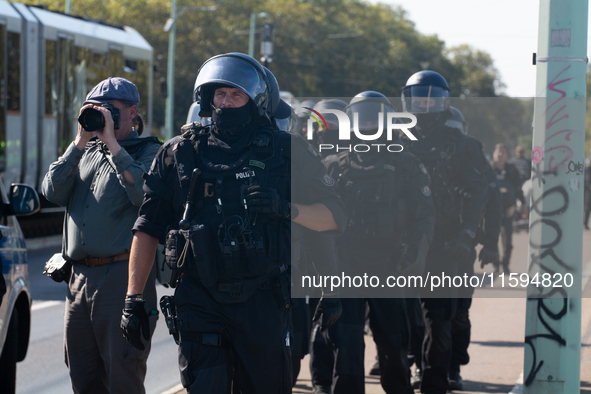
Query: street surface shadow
{"x": 498, "y": 343}
{"x": 483, "y": 387}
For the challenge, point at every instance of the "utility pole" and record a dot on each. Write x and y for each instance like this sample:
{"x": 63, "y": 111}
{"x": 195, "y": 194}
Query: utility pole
{"x": 170, "y": 26}
{"x": 170, "y": 73}
{"x": 68, "y": 7}
{"x": 553, "y": 317}
{"x": 253, "y": 24}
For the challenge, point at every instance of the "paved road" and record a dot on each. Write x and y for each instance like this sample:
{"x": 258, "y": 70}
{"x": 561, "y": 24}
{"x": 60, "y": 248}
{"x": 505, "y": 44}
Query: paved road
{"x": 44, "y": 370}
{"x": 496, "y": 350}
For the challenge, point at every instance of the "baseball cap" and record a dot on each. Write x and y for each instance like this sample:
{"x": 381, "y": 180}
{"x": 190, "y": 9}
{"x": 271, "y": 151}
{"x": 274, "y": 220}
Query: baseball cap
{"x": 114, "y": 89}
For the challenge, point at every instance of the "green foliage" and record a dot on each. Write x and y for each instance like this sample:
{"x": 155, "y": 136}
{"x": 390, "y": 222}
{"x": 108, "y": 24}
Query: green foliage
{"x": 334, "y": 48}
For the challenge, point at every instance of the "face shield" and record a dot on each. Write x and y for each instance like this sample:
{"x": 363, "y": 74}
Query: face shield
{"x": 366, "y": 114}
{"x": 463, "y": 126}
{"x": 422, "y": 99}
{"x": 236, "y": 72}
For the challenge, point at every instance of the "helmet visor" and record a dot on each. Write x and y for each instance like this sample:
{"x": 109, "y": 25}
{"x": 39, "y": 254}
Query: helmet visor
{"x": 368, "y": 114}
{"x": 420, "y": 99}
{"x": 235, "y": 72}
{"x": 458, "y": 125}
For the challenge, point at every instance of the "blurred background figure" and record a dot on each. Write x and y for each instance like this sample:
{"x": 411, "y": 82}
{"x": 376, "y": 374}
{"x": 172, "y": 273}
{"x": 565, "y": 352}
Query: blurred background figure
{"x": 521, "y": 163}
{"x": 509, "y": 183}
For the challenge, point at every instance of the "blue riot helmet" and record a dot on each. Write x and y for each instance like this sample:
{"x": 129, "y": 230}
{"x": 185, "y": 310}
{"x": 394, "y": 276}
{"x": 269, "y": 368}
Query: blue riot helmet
{"x": 330, "y": 136}
{"x": 289, "y": 124}
{"x": 365, "y": 109}
{"x": 457, "y": 120}
{"x": 279, "y": 108}
{"x": 304, "y": 114}
{"x": 193, "y": 115}
{"x": 239, "y": 71}
{"x": 425, "y": 92}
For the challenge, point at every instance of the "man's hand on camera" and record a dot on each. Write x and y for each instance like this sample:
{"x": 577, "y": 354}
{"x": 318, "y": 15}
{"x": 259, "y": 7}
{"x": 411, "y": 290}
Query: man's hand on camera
{"x": 330, "y": 309}
{"x": 134, "y": 322}
{"x": 83, "y": 136}
{"x": 267, "y": 200}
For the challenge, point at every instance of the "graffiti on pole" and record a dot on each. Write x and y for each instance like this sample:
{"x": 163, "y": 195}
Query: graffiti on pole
{"x": 551, "y": 158}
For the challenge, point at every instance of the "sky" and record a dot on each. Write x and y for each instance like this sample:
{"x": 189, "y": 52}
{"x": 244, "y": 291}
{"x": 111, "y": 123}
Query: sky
{"x": 506, "y": 29}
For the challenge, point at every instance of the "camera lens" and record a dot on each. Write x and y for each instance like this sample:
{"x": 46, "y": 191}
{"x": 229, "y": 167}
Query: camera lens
{"x": 91, "y": 119}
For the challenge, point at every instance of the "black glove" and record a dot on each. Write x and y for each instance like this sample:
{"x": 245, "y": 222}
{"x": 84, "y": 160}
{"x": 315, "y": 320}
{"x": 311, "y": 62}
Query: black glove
{"x": 330, "y": 309}
{"x": 267, "y": 200}
{"x": 134, "y": 323}
{"x": 488, "y": 254}
{"x": 459, "y": 248}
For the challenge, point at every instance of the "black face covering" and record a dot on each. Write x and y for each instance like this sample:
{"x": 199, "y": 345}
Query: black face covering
{"x": 426, "y": 123}
{"x": 231, "y": 121}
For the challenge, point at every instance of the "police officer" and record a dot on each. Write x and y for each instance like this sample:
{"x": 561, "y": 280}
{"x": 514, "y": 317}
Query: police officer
{"x": 509, "y": 182}
{"x": 221, "y": 198}
{"x": 327, "y": 139}
{"x": 456, "y": 166}
{"x": 389, "y": 229}
{"x": 488, "y": 236}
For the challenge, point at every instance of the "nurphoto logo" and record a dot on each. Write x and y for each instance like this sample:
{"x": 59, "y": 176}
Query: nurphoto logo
{"x": 346, "y": 127}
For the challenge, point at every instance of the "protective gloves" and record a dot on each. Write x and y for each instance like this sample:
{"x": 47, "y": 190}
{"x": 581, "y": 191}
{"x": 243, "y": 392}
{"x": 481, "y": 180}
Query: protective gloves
{"x": 267, "y": 200}
{"x": 134, "y": 321}
{"x": 330, "y": 309}
{"x": 488, "y": 254}
{"x": 459, "y": 248}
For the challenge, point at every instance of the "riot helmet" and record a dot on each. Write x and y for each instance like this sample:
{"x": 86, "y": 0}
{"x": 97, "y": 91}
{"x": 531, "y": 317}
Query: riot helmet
{"x": 365, "y": 108}
{"x": 289, "y": 124}
{"x": 193, "y": 115}
{"x": 303, "y": 113}
{"x": 236, "y": 70}
{"x": 279, "y": 108}
{"x": 331, "y": 134}
{"x": 457, "y": 121}
{"x": 425, "y": 92}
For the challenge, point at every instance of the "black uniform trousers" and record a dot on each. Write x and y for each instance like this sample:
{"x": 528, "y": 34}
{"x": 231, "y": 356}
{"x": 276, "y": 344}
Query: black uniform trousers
{"x": 461, "y": 327}
{"x": 321, "y": 353}
{"x": 507, "y": 241}
{"x": 253, "y": 354}
{"x": 389, "y": 325}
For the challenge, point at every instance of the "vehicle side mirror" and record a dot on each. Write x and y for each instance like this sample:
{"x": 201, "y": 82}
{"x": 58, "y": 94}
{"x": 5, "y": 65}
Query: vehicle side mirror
{"x": 24, "y": 200}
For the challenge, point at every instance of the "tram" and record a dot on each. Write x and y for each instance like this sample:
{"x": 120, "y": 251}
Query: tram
{"x": 48, "y": 63}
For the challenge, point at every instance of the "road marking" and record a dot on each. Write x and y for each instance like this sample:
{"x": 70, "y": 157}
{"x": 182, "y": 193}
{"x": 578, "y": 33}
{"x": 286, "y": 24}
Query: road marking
{"x": 45, "y": 304}
{"x": 174, "y": 390}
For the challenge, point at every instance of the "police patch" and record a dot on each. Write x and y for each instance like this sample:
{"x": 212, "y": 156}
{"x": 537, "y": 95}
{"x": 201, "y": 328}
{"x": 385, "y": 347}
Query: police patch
{"x": 426, "y": 191}
{"x": 327, "y": 180}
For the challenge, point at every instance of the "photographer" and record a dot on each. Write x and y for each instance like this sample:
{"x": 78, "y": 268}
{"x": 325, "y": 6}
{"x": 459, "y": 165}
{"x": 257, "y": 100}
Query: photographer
{"x": 99, "y": 181}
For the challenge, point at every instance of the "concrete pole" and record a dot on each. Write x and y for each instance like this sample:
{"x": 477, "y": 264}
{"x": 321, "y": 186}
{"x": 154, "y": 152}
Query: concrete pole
{"x": 553, "y": 317}
{"x": 170, "y": 74}
{"x": 68, "y": 7}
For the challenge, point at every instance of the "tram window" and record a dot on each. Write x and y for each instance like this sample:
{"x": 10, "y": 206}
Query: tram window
{"x": 140, "y": 78}
{"x": 50, "y": 79}
{"x": 115, "y": 63}
{"x": 98, "y": 67}
{"x": 14, "y": 68}
{"x": 130, "y": 66}
{"x": 66, "y": 112}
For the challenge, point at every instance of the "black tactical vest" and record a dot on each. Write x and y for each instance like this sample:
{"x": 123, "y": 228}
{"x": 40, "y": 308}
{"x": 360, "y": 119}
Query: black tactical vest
{"x": 229, "y": 242}
{"x": 371, "y": 193}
